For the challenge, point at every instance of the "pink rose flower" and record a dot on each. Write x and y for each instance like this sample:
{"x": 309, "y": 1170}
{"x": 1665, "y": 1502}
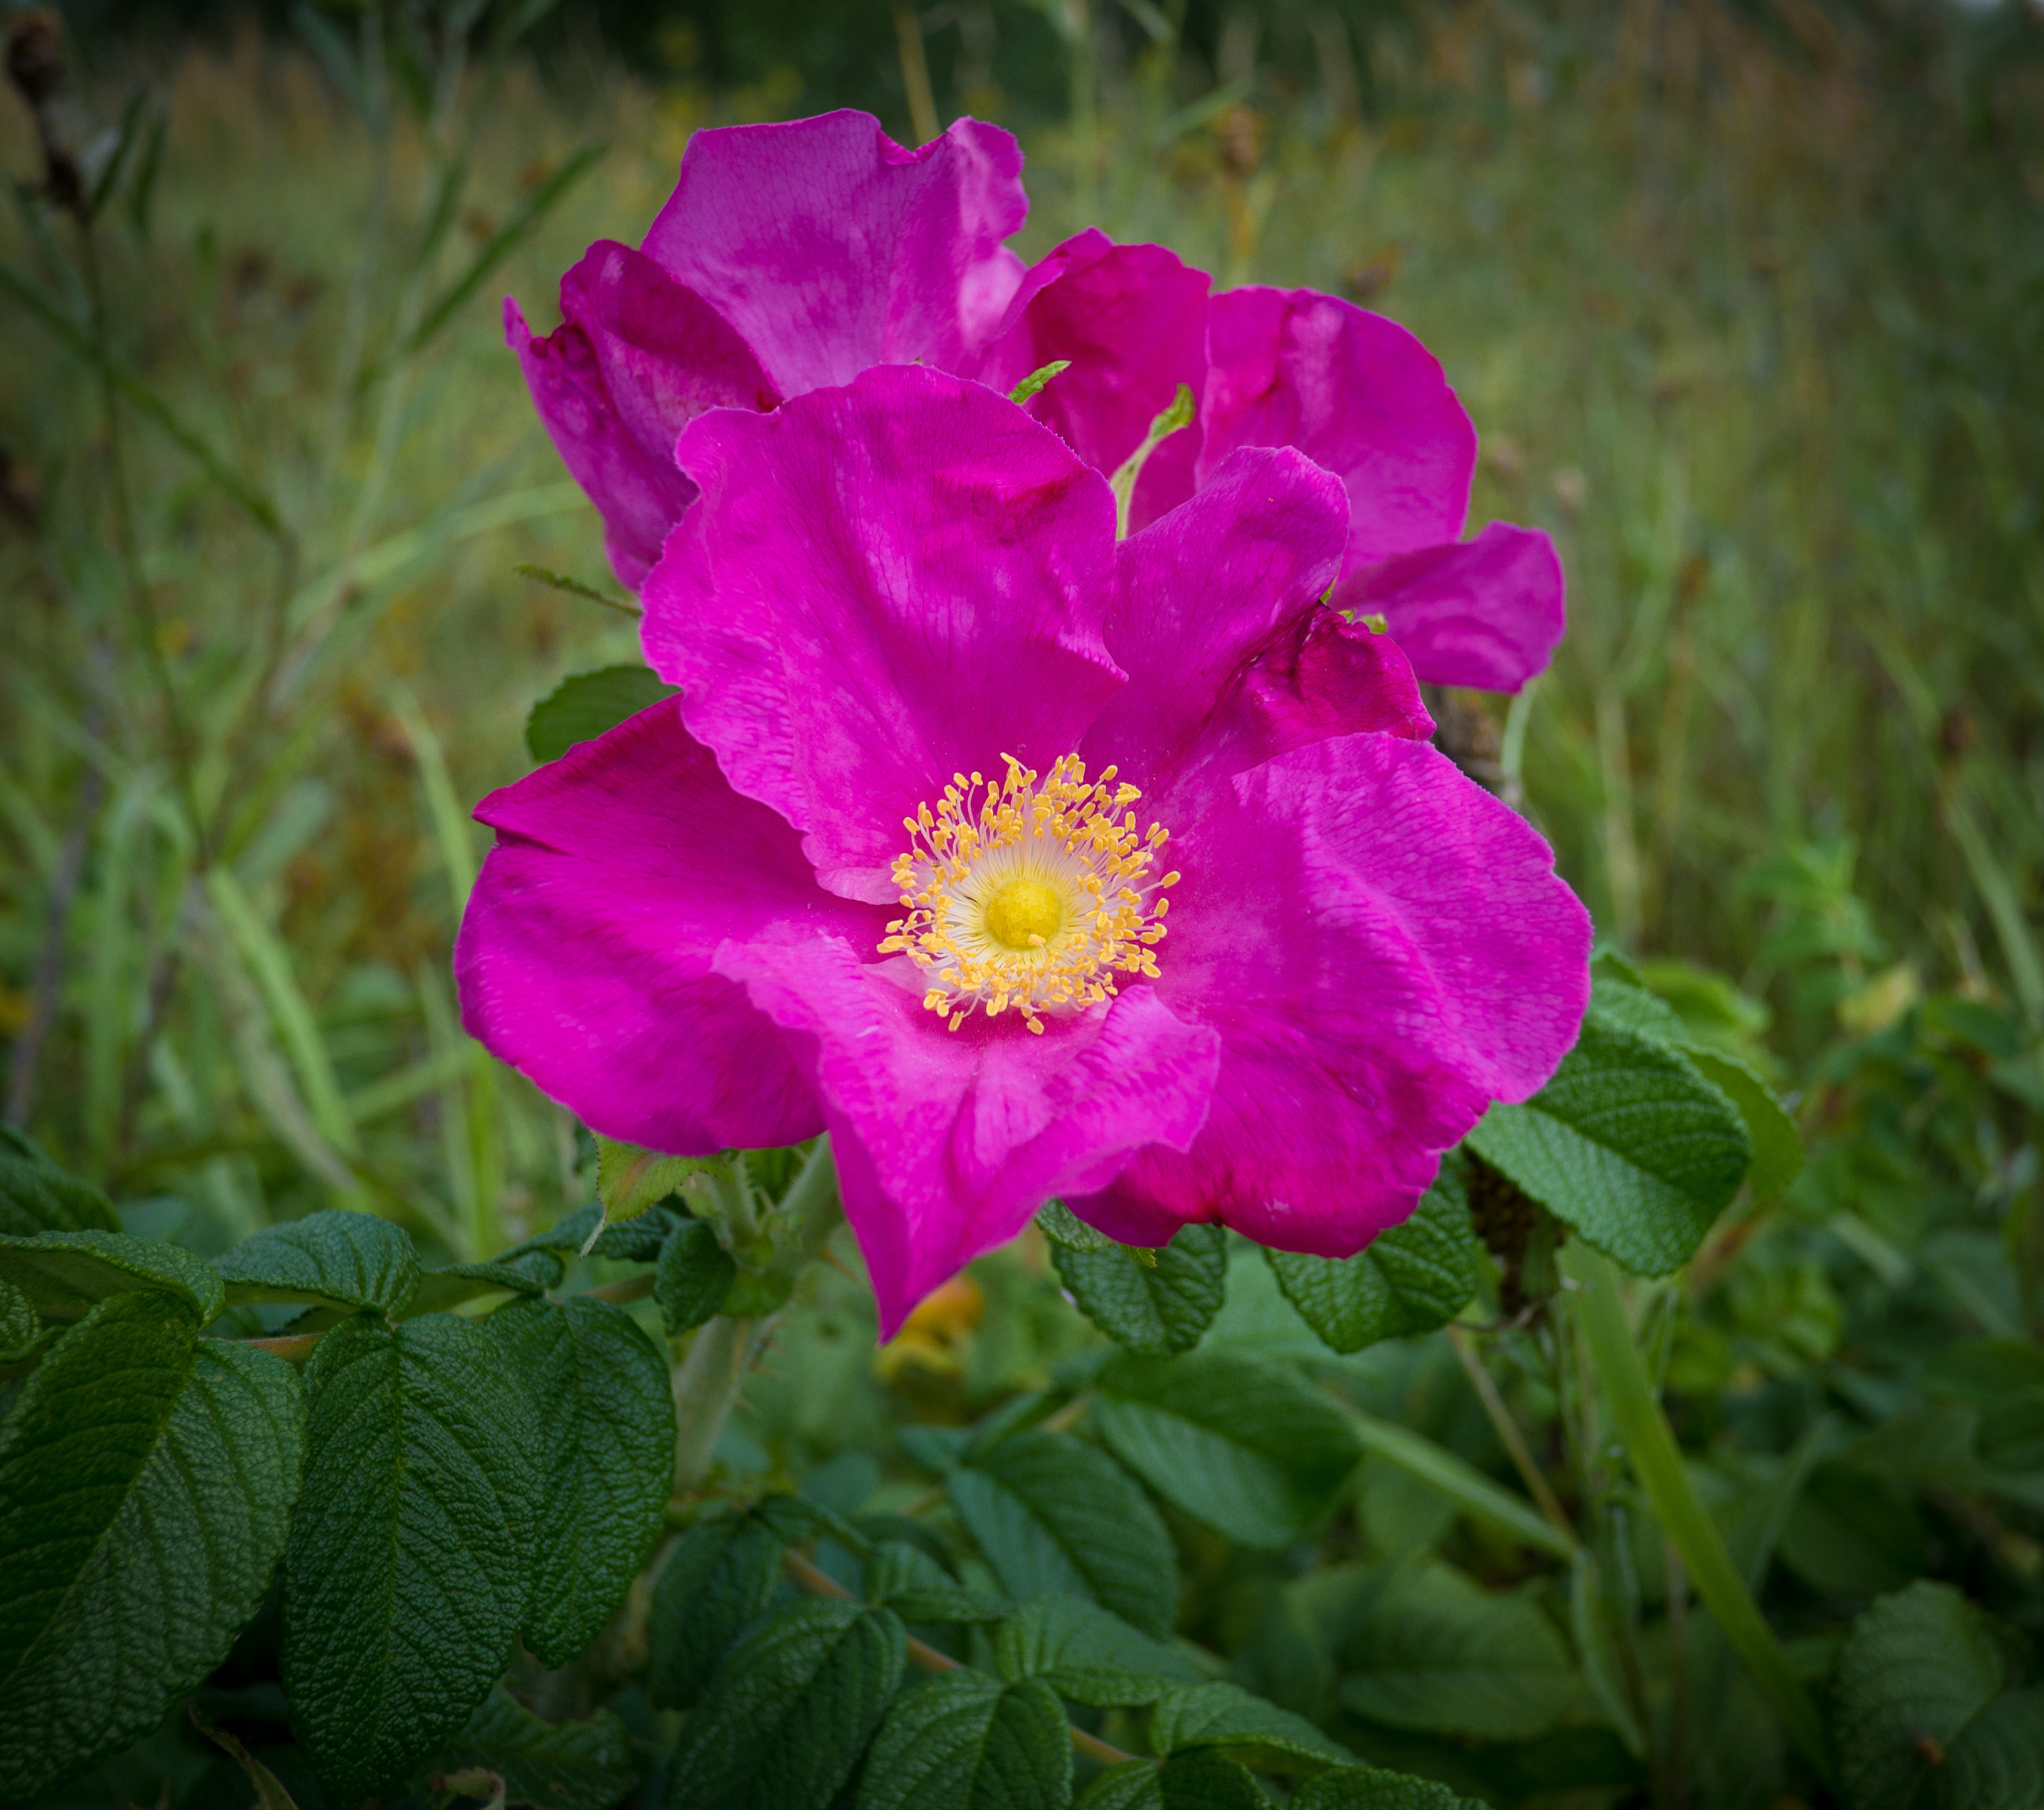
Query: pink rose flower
{"x": 1024, "y": 861}
{"x": 796, "y": 255}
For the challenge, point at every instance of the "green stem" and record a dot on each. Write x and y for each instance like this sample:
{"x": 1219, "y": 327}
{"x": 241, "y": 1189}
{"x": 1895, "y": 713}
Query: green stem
{"x": 1657, "y": 1460}
{"x": 705, "y": 1386}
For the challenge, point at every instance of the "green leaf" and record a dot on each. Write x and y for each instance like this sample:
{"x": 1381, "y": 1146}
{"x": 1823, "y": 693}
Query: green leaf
{"x": 1062, "y": 1226}
{"x": 1243, "y": 1444}
{"x": 1921, "y": 1665}
{"x": 1413, "y": 1278}
{"x": 916, "y": 1588}
{"x": 439, "y": 1289}
{"x": 347, "y": 1258}
{"x": 599, "y": 1393}
{"x": 1055, "y": 1514}
{"x": 694, "y": 1275}
{"x": 550, "y": 1765}
{"x": 789, "y": 1710}
{"x": 718, "y": 1578}
{"x": 38, "y": 1196}
{"x": 145, "y": 1484}
{"x": 1999, "y": 1763}
{"x": 1187, "y": 1782}
{"x": 1133, "y": 1785}
{"x": 966, "y": 1741}
{"x": 2006, "y": 1379}
{"x": 1439, "y": 1653}
{"x": 66, "y": 1273}
{"x": 1627, "y": 1144}
{"x": 630, "y": 1178}
{"x": 1366, "y": 1788}
{"x": 1083, "y": 1652}
{"x": 586, "y": 705}
{"x": 1159, "y": 1306}
{"x": 1037, "y": 379}
{"x": 405, "y": 1579}
{"x": 1250, "y": 1729}
{"x": 1776, "y": 1143}
{"x": 21, "y": 1329}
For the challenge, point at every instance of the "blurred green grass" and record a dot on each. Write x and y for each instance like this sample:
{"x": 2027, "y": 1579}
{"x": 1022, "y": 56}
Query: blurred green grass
{"x": 1748, "y": 316}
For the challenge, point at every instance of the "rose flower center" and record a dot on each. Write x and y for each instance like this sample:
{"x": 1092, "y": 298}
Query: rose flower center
{"x": 1031, "y": 892}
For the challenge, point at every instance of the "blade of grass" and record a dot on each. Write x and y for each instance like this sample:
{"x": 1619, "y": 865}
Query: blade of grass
{"x": 1657, "y": 1460}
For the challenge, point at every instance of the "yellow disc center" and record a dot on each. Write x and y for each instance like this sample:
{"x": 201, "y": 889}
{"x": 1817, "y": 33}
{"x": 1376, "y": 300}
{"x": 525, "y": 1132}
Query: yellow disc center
{"x": 1023, "y": 909}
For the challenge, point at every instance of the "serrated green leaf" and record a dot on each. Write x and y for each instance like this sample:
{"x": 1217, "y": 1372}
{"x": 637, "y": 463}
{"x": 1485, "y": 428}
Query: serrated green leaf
{"x": 1627, "y": 1144}
{"x": 1190, "y": 1781}
{"x": 692, "y": 1277}
{"x": 599, "y": 1392}
{"x": 439, "y": 1289}
{"x": 789, "y": 1710}
{"x": 1062, "y": 1226}
{"x": 630, "y": 1177}
{"x": 1083, "y": 1652}
{"x": 916, "y": 1588}
{"x": 20, "y": 1326}
{"x": 1366, "y": 1788}
{"x": 1159, "y": 1306}
{"x": 1132, "y": 1785}
{"x": 966, "y": 1741}
{"x": 347, "y": 1258}
{"x": 1776, "y": 1143}
{"x": 38, "y": 1196}
{"x": 1999, "y": 1763}
{"x": 720, "y": 1578}
{"x": 145, "y": 1484}
{"x": 1245, "y": 1445}
{"x": 549, "y": 1765}
{"x": 66, "y": 1274}
{"x": 1250, "y": 1729}
{"x": 585, "y": 706}
{"x": 1439, "y": 1653}
{"x": 1413, "y": 1278}
{"x": 1922, "y": 1664}
{"x": 1054, "y": 1515}
{"x": 406, "y": 1575}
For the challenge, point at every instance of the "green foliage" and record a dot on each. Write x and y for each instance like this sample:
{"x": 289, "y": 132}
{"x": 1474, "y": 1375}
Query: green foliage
{"x": 694, "y": 1277}
{"x": 1053, "y": 1514}
{"x": 1411, "y": 1278}
{"x": 549, "y": 1765}
{"x": 38, "y": 1196}
{"x": 1087, "y": 1654}
{"x": 1244, "y": 1445}
{"x": 408, "y": 1570}
{"x": 66, "y": 1274}
{"x": 629, "y": 1179}
{"x": 1156, "y": 1302}
{"x": 964, "y": 1741}
{"x": 336, "y": 1258}
{"x": 597, "y": 1394}
{"x": 722, "y": 1574}
{"x": 1228, "y": 1718}
{"x": 582, "y": 707}
{"x": 789, "y": 1710}
{"x": 146, "y": 1478}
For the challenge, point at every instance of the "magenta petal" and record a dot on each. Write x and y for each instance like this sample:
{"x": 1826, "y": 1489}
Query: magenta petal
{"x": 1384, "y": 949}
{"x": 585, "y": 959}
{"x": 1218, "y": 622}
{"x": 1487, "y": 613}
{"x": 1131, "y": 321}
{"x": 947, "y": 1141}
{"x": 828, "y": 247}
{"x": 1355, "y": 393}
{"x": 882, "y": 586}
{"x": 640, "y": 495}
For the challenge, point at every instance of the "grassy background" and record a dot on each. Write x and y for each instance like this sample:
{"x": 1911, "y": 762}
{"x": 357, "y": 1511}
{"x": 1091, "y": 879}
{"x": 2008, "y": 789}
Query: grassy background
{"x": 1748, "y": 306}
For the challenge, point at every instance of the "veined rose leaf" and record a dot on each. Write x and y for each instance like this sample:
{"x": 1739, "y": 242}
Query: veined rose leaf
{"x": 38, "y": 1196}
{"x": 66, "y": 1274}
{"x": 339, "y": 1257}
{"x": 146, "y": 1482}
{"x": 721, "y": 1575}
{"x": 916, "y": 1588}
{"x": 1627, "y": 1144}
{"x": 1248, "y": 1728}
{"x": 407, "y": 1573}
{"x": 1243, "y": 1444}
{"x": 585, "y": 706}
{"x": 1085, "y": 1654}
{"x": 600, "y": 1396}
{"x": 1413, "y": 1278}
{"x": 789, "y": 1710}
{"x": 1185, "y": 1781}
{"x": 693, "y": 1276}
{"x": 1054, "y": 1515}
{"x": 966, "y": 1741}
{"x": 1159, "y": 1307}
{"x": 548, "y": 1765}
{"x": 532, "y": 1274}
{"x": 1439, "y": 1653}
{"x": 1368, "y": 1788}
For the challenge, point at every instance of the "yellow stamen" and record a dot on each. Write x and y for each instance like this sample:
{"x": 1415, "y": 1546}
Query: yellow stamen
{"x": 1026, "y": 894}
